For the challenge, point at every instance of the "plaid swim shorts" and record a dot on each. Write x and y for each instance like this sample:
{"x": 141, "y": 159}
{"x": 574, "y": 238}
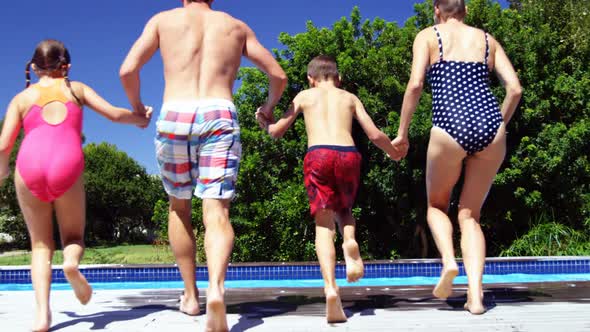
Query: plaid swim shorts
{"x": 198, "y": 145}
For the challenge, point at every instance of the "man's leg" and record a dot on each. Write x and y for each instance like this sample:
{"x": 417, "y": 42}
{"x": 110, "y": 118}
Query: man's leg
{"x": 182, "y": 241}
{"x": 219, "y": 241}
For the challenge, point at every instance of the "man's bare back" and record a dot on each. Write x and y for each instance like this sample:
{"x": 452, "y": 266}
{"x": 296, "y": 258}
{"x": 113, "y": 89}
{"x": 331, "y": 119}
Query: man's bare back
{"x": 328, "y": 113}
{"x": 201, "y": 50}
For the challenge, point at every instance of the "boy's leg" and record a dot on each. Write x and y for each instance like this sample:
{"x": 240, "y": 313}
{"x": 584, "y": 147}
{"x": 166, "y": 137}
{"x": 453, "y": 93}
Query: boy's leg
{"x": 71, "y": 218}
{"x": 182, "y": 242}
{"x": 38, "y": 216}
{"x": 324, "y": 242}
{"x": 219, "y": 241}
{"x": 350, "y": 247}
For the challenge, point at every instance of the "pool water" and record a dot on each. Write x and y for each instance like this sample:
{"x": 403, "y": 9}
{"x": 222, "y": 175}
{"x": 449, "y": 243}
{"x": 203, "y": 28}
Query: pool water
{"x": 367, "y": 282}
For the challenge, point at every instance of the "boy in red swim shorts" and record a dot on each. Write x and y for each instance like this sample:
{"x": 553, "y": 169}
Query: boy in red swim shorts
{"x": 331, "y": 168}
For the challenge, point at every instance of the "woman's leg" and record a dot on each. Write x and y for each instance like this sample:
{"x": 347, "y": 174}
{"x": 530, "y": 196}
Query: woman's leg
{"x": 443, "y": 169}
{"x": 480, "y": 170}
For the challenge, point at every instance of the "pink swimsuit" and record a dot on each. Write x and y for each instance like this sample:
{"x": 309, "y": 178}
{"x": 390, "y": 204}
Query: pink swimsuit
{"x": 50, "y": 159}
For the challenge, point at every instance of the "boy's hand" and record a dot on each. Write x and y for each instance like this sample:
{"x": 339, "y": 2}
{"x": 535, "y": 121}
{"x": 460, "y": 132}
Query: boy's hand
{"x": 401, "y": 144}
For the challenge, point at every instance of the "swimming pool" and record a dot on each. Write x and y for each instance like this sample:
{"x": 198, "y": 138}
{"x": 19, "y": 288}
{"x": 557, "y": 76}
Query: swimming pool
{"x": 377, "y": 274}
{"x": 293, "y": 283}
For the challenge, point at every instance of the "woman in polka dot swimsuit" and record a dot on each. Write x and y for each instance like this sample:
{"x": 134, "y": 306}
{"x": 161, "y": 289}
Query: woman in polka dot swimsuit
{"x": 468, "y": 130}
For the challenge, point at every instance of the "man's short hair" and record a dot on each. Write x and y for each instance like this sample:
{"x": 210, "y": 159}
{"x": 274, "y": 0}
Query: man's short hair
{"x": 451, "y": 8}
{"x": 323, "y": 67}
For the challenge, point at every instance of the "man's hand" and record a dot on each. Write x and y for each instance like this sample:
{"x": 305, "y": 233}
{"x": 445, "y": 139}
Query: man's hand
{"x": 146, "y": 115}
{"x": 268, "y": 112}
{"x": 262, "y": 120}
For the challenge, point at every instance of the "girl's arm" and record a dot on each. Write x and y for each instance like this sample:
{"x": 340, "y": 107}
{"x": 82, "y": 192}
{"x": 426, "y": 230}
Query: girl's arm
{"x": 115, "y": 114}
{"x": 10, "y": 130}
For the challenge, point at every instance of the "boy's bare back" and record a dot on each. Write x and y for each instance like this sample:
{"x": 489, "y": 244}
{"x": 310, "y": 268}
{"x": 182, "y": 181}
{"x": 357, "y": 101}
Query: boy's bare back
{"x": 328, "y": 113}
{"x": 201, "y": 51}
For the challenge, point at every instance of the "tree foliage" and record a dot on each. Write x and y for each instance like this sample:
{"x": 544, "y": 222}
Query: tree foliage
{"x": 547, "y": 171}
{"x": 547, "y": 168}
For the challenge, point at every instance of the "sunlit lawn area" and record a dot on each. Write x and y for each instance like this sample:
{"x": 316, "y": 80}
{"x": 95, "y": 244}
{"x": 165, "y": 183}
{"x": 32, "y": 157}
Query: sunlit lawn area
{"x": 137, "y": 254}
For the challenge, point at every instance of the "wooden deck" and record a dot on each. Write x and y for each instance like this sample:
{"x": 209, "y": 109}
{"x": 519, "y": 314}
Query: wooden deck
{"x": 559, "y": 307}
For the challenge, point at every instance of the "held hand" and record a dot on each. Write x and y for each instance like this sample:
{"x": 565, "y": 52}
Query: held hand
{"x": 262, "y": 120}
{"x": 146, "y": 117}
{"x": 401, "y": 144}
{"x": 267, "y": 112}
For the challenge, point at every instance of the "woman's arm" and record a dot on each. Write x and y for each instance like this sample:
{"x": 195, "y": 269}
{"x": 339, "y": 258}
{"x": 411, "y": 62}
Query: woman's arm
{"x": 420, "y": 63}
{"x": 509, "y": 78}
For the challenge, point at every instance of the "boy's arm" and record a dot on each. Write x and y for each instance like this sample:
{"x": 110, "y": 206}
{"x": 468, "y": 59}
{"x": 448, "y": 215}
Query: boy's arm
{"x": 263, "y": 59}
{"x": 141, "y": 52}
{"x": 10, "y": 130}
{"x": 115, "y": 114}
{"x": 278, "y": 129}
{"x": 379, "y": 138}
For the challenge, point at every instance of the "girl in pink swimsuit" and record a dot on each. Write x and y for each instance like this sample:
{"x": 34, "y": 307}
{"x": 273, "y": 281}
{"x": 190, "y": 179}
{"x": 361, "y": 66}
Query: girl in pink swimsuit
{"x": 50, "y": 164}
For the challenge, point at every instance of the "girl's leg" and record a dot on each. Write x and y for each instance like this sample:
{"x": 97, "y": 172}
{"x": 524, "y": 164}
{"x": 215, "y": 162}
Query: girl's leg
{"x": 324, "y": 241}
{"x": 71, "y": 218}
{"x": 350, "y": 247}
{"x": 480, "y": 171}
{"x": 38, "y": 216}
{"x": 444, "y": 164}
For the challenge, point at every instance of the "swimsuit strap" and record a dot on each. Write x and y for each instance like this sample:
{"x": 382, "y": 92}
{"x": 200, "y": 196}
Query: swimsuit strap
{"x": 51, "y": 93}
{"x": 440, "y": 45}
{"x": 487, "y": 49}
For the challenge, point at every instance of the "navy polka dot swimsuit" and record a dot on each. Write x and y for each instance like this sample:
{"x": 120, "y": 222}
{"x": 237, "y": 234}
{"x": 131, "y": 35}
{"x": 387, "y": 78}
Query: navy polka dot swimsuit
{"x": 462, "y": 102}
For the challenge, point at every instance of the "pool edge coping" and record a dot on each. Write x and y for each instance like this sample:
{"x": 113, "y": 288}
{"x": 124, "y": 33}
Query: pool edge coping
{"x": 278, "y": 264}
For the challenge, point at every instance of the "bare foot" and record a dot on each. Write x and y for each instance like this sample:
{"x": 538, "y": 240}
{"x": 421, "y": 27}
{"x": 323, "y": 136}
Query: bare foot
{"x": 334, "y": 311}
{"x": 79, "y": 284}
{"x": 42, "y": 321}
{"x": 444, "y": 288}
{"x": 354, "y": 263}
{"x": 475, "y": 305}
{"x": 189, "y": 306}
{"x": 216, "y": 319}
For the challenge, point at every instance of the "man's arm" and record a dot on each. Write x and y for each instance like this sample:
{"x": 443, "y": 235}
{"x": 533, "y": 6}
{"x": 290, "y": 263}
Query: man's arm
{"x": 141, "y": 52}
{"x": 264, "y": 60}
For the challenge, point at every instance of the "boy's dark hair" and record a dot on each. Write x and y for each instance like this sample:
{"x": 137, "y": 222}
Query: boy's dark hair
{"x": 323, "y": 67}
{"x": 50, "y": 56}
{"x": 205, "y": 1}
{"x": 451, "y": 8}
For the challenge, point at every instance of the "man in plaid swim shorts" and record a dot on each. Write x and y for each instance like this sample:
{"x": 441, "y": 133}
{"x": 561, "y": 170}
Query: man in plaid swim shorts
{"x": 198, "y": 145}
{"x": 198, "y": 136}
